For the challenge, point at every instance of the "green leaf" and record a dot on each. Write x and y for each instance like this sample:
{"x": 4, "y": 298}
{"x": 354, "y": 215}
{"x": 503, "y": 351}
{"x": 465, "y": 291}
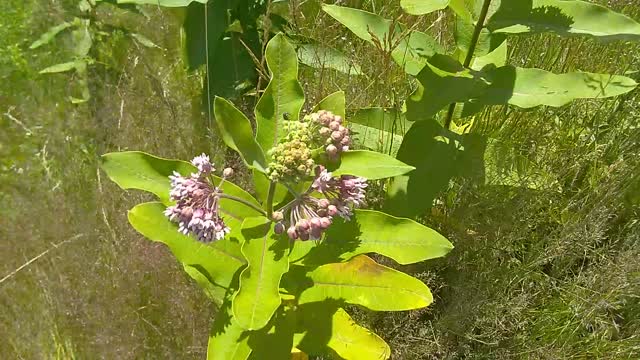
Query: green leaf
{"x": 50, "y": 34}
{"x": 444, "y": 81}
{"x": 421, "y": 7}
{"x": 217, "y": 262}
{"x": 198, "y": 30}
{"x": 411, "y": 52}
{"x": 434, "y": 152}
{"x": 144, "y": 41}
{"x": 563, "y": 17}
{"x": 320, "y": 57}
{"x": 166, "y": 3}
{"x": 402, "y": 240}
{"x": 63, "y": 67}
{"x": 534, "y": 87}
{"x": 324, "y": 325}
{"x": 370, "y": 165}
{"x": 213, "y": 291}
{"x": 227, "y": 339}
{"x": 266, "y": 253}
{"x": 236, "y": 132}
{"x": 139, "y": 170}
{"x": 334, "y": 102}
{"x": 81, "y": 39}
{"x": 379, "y": 129}
{"x": 283, "y": 94}
{"x": 362, "y": 281}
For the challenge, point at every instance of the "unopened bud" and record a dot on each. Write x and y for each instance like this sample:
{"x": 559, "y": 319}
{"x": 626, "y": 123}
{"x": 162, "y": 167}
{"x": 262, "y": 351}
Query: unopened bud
{"x": 338, "y": 119}
{"x": 336, "y": 136}
{"x": 302, "y": 225}
{"x": 292, "y": 233}
{"x": 325, "y": 131}
{"x": 277, "y": 216}
{"x": 227, "y": 172}
{"x": 278, "y": 228}
{"x": 332, "y": 210}
{"x": 345, "y": 141}
{"x": 323, "y": 203}
{"x": 334, "y": 125}
{"x": 331, "y": 150}
{"x": 325, "y": 222}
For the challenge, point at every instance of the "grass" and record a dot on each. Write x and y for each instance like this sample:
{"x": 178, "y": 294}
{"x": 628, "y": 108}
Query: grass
{"x": 543, "y": 273}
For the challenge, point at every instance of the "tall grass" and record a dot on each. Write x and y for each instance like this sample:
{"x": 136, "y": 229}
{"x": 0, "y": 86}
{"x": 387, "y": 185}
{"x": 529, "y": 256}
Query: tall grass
{"x": 544, "y": 272}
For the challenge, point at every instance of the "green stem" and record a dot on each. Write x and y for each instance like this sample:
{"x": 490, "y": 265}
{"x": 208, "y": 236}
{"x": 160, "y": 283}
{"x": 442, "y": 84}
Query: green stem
{"x": 472, "y": 48}
{"x": 244, "y": 202}
{"x": 272, "y": 192}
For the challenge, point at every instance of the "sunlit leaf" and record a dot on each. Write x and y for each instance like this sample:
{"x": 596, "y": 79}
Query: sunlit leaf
{"x": 325, "y": 325}
{"x": 563, "y": 17}
{"x": 237, "y": 133}
{"x": 283, "y": 94}
{"x": 411, "y": 49}
{"x": 50, "y": 34}
{"x": 379, "y": 129}
{"x": 217, "y": 261}
{"x": 266, "y": 254}
{"x": 370, "y": 165}
{"x": 320, "y": 57}
{"x": 402, "y": 240}
{"x": 444, "y": 81}
{"x": 421, "y": 7}
{"x": 362, "y": 281}
{"x": 63, "y": 67}
{"x": 334, "y": 102}
{"x": 227, "y": 339}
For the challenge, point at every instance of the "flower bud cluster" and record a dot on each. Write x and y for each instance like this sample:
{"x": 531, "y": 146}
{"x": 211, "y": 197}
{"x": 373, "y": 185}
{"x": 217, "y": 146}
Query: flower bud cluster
{"x": 292, "y": 157}
{"x": 310, "y": 216}
{"x": 333, "y": 135}
{"x": 197, "y": 201}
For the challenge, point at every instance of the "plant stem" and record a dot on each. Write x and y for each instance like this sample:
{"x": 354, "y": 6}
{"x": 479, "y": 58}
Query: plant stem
{"x": 472, "y": 48}
{"x": 244, "y": 202}
{"x": 272, "y": 192}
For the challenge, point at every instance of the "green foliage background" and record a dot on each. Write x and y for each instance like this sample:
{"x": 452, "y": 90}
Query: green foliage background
{"x": 548, "y": 270}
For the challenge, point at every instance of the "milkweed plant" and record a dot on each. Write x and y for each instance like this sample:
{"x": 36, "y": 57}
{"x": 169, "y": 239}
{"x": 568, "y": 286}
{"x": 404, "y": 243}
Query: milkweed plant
{"x": 282, "y": 264}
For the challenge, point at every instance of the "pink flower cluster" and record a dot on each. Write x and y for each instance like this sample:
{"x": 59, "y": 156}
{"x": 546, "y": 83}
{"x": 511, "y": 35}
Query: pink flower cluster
{"x": 197, "y": 201}
{"x": 309, "y": 216}
{"x": 333, "y": 133}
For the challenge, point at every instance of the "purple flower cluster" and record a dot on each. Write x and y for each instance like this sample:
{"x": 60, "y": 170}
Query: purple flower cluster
{"x": 309, "y": 216}
{"x": 197, "y": 201}
{"x": 332, "y": 132}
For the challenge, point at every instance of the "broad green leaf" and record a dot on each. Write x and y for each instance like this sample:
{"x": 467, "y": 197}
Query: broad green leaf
{"x": 236, "y": 132}
{"x": 198, "y": 30}
{"x": 81, "y": 39}
{"x": 283, "y": 94}
{"x": 362, "y": 281}
{"x": 421, "y": 7}
{"x": 534, "y": 87}
{"x": 217, "y": 262}
{"x": 434, "y": 152}
{"x": 139, "y": 170}
{"x": 50, "y": 34}
{"x": 258, "y": 297}
{"x": 324, "y": 325}
{"x": 166, "y": 3}
{"x": 563, "y": 17}
{"x": 444, "y": 81}
{"x": 370, "y": 165}
{"x": 227, "y": 339}
{"x": 335, "y": 103}
{"x": 63, "y": 67}
{"x": 413, "y": 48}
{"x": 320, "y": 57}
{"x": 402, "y": 240}
{"x": 379, "y": 129}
